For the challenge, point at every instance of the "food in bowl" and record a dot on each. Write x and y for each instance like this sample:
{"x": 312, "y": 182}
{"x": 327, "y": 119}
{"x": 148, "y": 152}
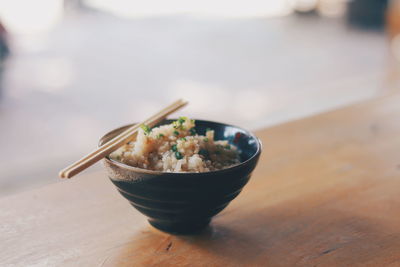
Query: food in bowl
{"x": 176, "y": 147}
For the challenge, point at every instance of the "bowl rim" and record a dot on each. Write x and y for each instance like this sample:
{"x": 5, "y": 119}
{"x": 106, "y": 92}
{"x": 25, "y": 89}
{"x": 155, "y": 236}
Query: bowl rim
{"x": 145, "y": 171}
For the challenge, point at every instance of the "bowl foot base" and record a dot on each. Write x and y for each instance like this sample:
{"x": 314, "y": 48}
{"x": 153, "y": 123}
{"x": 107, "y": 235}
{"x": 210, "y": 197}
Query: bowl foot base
{"x": 180, "y": 228}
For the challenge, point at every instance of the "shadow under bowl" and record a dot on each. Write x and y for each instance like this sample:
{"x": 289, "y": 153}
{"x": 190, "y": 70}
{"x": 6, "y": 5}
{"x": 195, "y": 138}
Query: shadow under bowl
{"x": 184, "y": 203}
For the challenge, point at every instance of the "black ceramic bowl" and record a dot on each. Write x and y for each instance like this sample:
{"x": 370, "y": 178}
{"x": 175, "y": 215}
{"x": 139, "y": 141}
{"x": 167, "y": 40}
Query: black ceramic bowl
{"x": 183, "y": 203}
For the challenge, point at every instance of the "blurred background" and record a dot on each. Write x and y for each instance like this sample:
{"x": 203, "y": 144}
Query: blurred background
{"x": 71, "y": 70}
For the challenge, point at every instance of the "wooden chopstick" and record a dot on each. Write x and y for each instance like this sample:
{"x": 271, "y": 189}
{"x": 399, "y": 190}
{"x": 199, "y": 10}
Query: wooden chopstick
{"x": 118, "y": 141}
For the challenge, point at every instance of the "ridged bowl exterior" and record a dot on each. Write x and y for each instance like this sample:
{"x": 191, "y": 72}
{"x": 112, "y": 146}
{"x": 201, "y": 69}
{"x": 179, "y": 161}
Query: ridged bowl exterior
{"x": 183, "y": 203}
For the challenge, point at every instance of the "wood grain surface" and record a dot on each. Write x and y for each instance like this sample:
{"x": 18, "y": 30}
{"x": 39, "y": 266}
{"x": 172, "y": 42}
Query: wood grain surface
{"x": 325, "y": 193}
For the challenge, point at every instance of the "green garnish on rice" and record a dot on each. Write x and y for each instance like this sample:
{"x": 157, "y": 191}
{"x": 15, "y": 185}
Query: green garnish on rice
{"x": 179, "y": 123}
{"x": 145, "y": 128}
{"x": 178, "y": 155}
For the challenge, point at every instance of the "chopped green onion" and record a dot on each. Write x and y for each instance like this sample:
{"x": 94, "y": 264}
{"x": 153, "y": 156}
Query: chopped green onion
{"x": 183, "y": 139}
{"x": 205, "y": 139}
{"x": 178, "y": 155}
{"x": 175, "y": 124}
{"x": 160, "y": 135}
{"x": 181, "y": 120}
{"x": 145, "y": 128}
{"x": 176, "y": 133}
{"x": 227, "y": 146}
{"x": 178, "y": 124}
{"x": 174, "y": 148}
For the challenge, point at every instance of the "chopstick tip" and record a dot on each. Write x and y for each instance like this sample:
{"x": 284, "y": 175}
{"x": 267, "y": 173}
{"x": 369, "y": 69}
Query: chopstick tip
{"x": 184, "y": 102}
{"x": 62, "y": 174}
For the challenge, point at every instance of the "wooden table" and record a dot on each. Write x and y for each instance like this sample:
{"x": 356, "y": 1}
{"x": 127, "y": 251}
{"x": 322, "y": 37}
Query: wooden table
{"x": 326, "y": 193}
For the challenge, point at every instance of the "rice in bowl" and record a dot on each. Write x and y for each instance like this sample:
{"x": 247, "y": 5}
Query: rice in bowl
{"x": 176, "y": 147}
